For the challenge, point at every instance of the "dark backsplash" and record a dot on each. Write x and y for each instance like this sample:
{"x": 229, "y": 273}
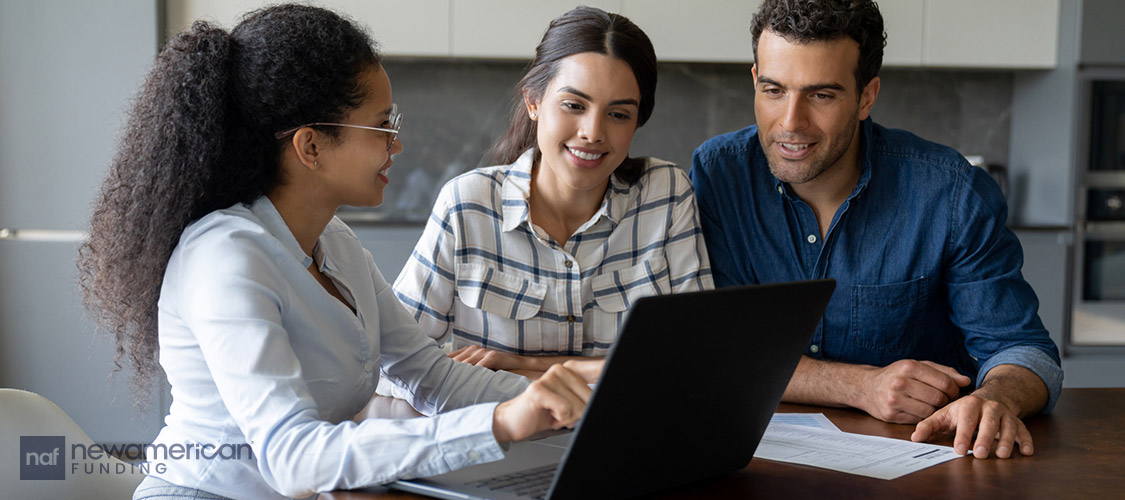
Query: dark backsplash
{"x": 454, "y": 110}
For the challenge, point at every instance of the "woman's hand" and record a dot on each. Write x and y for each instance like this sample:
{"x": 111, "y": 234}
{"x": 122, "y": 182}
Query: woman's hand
{"x": 554, "y": 401}
{"x": 529, "y": 366}
{"x": 490, "y": 358}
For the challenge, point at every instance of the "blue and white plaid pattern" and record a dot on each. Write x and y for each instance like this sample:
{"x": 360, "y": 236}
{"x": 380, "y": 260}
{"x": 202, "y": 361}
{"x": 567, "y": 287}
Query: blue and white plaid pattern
{"x": 482, "y": 274}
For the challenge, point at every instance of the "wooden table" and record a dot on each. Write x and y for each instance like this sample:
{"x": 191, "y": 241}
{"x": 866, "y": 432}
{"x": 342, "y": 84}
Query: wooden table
{"x": 1079, "y": 453}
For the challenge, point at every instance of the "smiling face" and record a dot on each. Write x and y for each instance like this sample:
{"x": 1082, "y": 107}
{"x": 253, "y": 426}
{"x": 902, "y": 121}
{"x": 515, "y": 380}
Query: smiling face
{"x": 807, "y": 106}
{"x": 359, "y": 160}
{"x": 586, "y": 120}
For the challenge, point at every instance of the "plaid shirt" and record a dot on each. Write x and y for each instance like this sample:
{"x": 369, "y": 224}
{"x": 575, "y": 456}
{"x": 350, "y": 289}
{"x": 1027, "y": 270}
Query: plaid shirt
{"x": 485, "y": 275}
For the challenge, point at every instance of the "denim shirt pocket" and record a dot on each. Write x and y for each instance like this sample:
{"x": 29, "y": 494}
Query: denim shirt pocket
{"x": 888, "y": 318}
{"x": 501, "y": 294}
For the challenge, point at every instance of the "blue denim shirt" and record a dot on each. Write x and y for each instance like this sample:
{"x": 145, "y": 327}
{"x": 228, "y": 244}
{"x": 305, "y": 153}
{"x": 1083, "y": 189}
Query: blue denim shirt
{"x": 925, "y": 266}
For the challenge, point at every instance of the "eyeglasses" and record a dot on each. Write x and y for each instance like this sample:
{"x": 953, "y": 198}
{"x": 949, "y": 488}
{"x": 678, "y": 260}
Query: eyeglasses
{"x": 394, "y": 119}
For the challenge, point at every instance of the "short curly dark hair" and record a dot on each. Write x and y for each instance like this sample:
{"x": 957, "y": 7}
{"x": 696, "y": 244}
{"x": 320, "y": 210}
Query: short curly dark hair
{"x": 200, "y": 137}
{"x": 806, "y": 21}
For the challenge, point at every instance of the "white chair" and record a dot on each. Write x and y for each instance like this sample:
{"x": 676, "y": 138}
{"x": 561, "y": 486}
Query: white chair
{"x": 25, "y": 413}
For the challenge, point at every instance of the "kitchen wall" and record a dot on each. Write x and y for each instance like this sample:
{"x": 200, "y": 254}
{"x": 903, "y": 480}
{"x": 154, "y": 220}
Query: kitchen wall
{"x": 454, "y": 110}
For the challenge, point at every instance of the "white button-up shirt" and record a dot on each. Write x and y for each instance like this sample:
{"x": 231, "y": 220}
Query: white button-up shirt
{"x": 258, "y": 353}
{"x": 484, "y": 274}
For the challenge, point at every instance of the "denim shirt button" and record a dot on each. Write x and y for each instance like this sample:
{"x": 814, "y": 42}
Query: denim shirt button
{"x": 780, "y": 190}
{"x": 814, "y": 348}
{"x": 812, "y": 238}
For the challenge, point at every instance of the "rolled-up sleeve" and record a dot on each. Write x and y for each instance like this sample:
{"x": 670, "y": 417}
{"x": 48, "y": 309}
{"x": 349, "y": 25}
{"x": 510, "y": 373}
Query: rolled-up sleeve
{"x": 989, "y": 299}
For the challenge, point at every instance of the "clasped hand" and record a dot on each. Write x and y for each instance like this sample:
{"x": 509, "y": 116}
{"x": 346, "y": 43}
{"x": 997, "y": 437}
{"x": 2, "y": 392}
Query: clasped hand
{"x": 489, "y": 358}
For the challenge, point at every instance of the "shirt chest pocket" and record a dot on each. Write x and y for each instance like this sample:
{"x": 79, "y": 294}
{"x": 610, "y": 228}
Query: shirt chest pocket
{"x": 889, "y": 318}
{"x": 504, "y": 295}
{"x": 615, "y": 291}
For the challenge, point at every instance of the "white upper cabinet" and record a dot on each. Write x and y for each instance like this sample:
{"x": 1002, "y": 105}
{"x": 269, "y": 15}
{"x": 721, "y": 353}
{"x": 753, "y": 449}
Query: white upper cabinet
{"x": 902, "y": 20}
{"x": 711, "y": 30}
{"x": 920, "y": 33}
{"x": 991, "y": 33}
{"x": 406, "y": 28}
{"x": 508, "y": 29}
{"x": 403, "y": 28}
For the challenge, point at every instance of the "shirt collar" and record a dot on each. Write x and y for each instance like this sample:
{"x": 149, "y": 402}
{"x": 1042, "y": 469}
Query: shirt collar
{"x": 271, "y": 219}
{"x": 516, "y": 191}
{"x": 864, "y": 162}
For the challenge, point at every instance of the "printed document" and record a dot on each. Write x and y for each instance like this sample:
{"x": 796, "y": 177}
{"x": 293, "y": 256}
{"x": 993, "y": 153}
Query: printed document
{"x": 829, "y": 448}
{"x": 817, "y": 420}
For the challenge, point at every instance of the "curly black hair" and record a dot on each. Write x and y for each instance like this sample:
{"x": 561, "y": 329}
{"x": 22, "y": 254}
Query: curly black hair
{"x": 805, "y": 21}
{"x": 200, "y": 137}
{"x": 581, "y": 30}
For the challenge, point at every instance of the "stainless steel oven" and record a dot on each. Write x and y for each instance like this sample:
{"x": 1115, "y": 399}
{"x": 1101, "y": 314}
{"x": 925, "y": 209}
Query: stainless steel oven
{"x": 1098, "y": 312}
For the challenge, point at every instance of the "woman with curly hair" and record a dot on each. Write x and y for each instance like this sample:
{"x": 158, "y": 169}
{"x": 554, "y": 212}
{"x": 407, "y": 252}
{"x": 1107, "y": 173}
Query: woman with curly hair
{"x": 214, "y": 254}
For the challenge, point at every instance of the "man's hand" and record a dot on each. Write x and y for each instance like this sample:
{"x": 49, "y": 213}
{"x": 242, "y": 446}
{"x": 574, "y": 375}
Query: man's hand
{"x": 993, "y": 411}
{"x": 908, "y": 391}
{"x": 555, "y": 400}
{"x": 990, "y": 419}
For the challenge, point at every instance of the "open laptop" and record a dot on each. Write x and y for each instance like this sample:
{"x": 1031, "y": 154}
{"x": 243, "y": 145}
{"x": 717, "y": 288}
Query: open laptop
{"x": 686, "y": 394}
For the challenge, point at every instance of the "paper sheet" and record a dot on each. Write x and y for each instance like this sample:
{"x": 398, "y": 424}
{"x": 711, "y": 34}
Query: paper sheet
{"x": 870, "y": 456}
{"x": 817, "y": 420}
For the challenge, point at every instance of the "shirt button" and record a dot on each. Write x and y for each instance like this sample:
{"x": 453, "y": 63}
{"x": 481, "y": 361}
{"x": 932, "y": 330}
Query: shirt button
{"x": 780, "y": 190}
{"x": 812, "y": 238}
{"x": 367, "y": 367}
{"x": 814, "y": 348}
{"x": 568, "y": 263}
{"x": 570, "y": 318}
{"x": 473, "y": 455}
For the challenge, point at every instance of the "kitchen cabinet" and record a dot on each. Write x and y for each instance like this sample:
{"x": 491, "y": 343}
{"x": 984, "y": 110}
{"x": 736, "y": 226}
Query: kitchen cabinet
{"x": 920, "y": 33}
{"x": 508, "y": 29}
{"x": 402, "y": 28}
{"x": 991, "y": 33}
{"x": 1102, "y": 32}
{"x": 902, "y": 20}
{"x": 715, "y": 31}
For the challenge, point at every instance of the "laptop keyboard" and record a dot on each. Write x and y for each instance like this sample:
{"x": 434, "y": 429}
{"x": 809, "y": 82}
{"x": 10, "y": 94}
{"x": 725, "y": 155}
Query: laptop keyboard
{"x": 530, "y": 483}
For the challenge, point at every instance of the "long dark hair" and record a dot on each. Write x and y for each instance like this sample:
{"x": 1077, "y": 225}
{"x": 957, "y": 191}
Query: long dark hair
{"x": 584, "y": 29}
{"x": 200, "y": 137}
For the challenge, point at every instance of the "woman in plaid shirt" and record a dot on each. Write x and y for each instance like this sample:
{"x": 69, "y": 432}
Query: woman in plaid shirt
{"x": 535, "y": 260}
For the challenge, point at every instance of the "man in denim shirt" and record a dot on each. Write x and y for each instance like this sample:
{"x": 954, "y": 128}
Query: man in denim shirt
{"x": 929, "y": 297}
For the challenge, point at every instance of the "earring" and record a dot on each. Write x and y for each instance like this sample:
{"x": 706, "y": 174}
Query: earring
{"x": 534, "y": 116}
{"x": 316, "y": 163}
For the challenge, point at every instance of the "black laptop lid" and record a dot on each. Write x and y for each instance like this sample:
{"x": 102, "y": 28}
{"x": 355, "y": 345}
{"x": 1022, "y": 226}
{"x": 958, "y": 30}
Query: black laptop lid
{"x": 690, "y": 387}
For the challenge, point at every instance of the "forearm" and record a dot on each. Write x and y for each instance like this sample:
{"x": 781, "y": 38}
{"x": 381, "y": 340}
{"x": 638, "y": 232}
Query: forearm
{"x": 826, "y": 383}
{"x": 542, "y": 363}
{"x": 1018, "y": 388}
